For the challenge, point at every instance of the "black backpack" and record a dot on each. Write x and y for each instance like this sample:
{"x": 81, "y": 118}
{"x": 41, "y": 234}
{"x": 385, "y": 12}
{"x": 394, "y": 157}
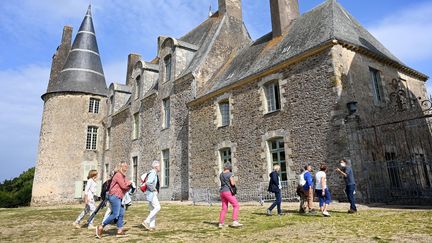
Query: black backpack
{"x": 105, "y": 188}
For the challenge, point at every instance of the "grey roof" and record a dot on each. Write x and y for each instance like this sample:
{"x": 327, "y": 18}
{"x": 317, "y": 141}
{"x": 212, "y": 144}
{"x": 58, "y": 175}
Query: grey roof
{"x": 324, "y": 23}
{"x": 82, "y": 71}
{"x": 201, "y": 37}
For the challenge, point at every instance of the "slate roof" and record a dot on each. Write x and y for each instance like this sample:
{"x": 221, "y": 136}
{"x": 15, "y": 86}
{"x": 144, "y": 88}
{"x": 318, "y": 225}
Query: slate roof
{"x": 82, "y": 71}
{"x": 324, "y": 23}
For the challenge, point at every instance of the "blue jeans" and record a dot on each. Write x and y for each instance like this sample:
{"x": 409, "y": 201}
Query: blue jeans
{"x": 349, "y": 190}
{"x": 323, "y": 199}
{"x": 117, "y": 211}
{"x": 277, "y": 202}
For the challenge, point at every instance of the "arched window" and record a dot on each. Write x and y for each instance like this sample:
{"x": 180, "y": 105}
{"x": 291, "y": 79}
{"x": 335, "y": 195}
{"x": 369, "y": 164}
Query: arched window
{"x": 168, "y": 64}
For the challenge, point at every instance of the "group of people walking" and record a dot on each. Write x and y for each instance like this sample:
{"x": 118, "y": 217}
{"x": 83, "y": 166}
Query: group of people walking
{"x": 307, "y": 187}
{"x": 119, "y": 188}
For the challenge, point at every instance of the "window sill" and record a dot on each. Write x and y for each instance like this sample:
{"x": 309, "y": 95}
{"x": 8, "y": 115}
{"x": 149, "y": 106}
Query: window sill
{"x": 224, "y": 126}
{"x": 272, "y": 112}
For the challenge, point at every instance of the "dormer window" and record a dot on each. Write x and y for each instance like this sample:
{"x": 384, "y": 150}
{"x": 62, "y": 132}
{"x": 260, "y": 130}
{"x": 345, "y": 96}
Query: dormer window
{"x": 137, "y": 87}
{"x": 168, "y": 64}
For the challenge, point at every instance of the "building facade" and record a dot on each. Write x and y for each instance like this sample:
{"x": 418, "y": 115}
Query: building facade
{"x": 317, "y": 88}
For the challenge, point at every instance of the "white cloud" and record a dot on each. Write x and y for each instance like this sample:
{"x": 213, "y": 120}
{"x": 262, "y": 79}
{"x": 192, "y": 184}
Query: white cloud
{"x": 407, "y": 33}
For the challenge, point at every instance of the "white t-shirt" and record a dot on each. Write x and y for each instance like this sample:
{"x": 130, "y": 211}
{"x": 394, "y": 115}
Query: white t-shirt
{"x": 318, "y": 178}
{"x": 90, "y": 189}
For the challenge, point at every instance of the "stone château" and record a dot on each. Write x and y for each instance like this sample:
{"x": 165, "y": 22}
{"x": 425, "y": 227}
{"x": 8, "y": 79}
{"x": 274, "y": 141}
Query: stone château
{"x": 312, "y": 90}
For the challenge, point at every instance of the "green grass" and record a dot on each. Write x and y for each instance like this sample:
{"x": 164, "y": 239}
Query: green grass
{"x": 187, "y": 223}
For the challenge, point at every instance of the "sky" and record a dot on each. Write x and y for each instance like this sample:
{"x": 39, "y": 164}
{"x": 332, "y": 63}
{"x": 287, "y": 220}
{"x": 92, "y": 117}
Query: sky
{"x": 30, "y": 31}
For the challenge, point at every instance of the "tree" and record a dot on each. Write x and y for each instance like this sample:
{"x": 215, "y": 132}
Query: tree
{"x": 17, "y": 192}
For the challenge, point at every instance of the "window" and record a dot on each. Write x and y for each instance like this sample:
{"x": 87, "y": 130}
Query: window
{"x": 225, "y": 155}
{"x": 272, "y": 95}
{"x": 135, "y": 169}
{"x": 377, "y": 88}
{"x": 165, "y": 168}
{"x": 166, "y": 113}
{"x": 91, "y": 138}
{"x": 224, "y": 110}
{"x": 168, "y": 64}
{"x": 108, "y": 138}
{"x": 138, "y": 87}
{"x": 94, "y": 105}
{"x": 136, "y": 126}
{"x": 277, "y": 156}
{"x": 111, "y": 109}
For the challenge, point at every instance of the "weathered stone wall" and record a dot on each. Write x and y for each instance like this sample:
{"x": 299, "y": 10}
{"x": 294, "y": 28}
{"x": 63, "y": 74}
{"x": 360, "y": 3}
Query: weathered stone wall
{"x": 306, "y": 123}
{"x": 355, "y": 82}
{"x": 63, "y": 158}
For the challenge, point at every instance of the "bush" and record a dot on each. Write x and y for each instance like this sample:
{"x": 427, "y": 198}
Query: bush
{"x": 17, "y": 192}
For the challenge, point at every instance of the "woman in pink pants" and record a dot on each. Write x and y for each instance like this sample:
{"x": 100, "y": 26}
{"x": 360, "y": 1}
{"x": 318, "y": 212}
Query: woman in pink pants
{"x": 226, "y": 194}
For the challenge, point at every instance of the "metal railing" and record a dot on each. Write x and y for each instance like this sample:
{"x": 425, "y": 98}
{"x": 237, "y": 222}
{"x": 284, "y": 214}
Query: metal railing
{"x": 258, "y": 193}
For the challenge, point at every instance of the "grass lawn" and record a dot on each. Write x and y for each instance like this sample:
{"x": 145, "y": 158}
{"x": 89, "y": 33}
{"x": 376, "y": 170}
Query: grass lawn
{"x": 183, "y": 222}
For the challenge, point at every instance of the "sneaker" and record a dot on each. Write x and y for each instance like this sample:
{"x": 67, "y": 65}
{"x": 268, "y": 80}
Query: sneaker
{"x": 99, "y": 231}
{"x": 236, "y": 224}
{"x": 76, "y": 225}
{"x": 221, "y": 226}
{"x": 352, "y": 211}
{"x": 312, "y": 211}
{"x": 269, "y": 212}
{"x": 326, "y": 214}
{"x": 146, "y": 225}
{"x": 91, "y": 227}
{"x": 281, "y": 214}
{"x": 152, "y": 229}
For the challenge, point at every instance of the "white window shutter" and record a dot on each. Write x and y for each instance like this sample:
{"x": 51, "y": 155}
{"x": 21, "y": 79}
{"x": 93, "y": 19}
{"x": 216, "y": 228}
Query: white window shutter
{"x": 78, "y": 189}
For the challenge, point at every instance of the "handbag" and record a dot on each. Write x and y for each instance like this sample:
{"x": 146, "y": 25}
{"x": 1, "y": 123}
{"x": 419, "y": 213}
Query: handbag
{"x": 233, "y": 189}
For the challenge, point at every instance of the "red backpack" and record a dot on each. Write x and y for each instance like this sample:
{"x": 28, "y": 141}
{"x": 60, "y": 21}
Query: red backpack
{"x": 143, "y": 186}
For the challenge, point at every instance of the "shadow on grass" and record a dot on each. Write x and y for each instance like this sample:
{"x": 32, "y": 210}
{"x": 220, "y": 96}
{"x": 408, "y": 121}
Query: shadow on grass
{"x": 216, "y": 224}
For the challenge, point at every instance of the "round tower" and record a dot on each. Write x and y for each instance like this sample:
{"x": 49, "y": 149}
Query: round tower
{"x": 71, "y": 132}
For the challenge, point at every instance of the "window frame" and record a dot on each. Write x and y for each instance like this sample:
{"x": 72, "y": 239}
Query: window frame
{"x": 278, "y": 150}
{"x": 91, "y": 139}
{"x": 165, "y": 167}
{"x": 377, "y": 86}
{"x": 94, "y": 105}
{"x": 224, "y": 113}
{"x": 136, "y": 124}
{"x": 138, "y": 86}
{"x": 166, "y": 110}
{"x": 272, "y": 96}
{"x": 168, "y": 67}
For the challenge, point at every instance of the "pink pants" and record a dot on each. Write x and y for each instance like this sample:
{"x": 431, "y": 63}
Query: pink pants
{"x": 225, "y": 198}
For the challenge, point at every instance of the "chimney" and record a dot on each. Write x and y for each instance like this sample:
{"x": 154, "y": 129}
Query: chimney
{"x": 283, "y": 12}
{"x": 62, "y": 52}
{"x": 231, "y": 8}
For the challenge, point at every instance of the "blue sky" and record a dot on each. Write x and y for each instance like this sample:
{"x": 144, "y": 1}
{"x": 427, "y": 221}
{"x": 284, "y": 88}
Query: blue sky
{"x": 30, "y": 31}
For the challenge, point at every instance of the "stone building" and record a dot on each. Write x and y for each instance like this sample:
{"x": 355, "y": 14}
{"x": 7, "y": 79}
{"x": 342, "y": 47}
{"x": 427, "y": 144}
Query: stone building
{"x": 317, "y": 88}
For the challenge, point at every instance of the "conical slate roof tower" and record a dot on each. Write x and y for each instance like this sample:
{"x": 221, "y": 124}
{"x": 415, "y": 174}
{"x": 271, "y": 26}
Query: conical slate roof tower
{"x": 83, "y": 70}
{"x": 75, "y": 105}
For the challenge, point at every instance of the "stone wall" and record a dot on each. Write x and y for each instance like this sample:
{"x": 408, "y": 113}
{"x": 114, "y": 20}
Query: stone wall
{"x": 62, "y": 158}
{"x": 306, "y": 122}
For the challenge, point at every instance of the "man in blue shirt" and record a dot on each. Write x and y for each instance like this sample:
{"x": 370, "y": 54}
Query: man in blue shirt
{"x": 308, "y": 188}
{"x": 348, "y": 175}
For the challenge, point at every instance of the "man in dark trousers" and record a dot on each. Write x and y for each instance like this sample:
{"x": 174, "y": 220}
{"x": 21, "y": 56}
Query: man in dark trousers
{"x": 275, "y": 187}
{"x": 348, "y": 175}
